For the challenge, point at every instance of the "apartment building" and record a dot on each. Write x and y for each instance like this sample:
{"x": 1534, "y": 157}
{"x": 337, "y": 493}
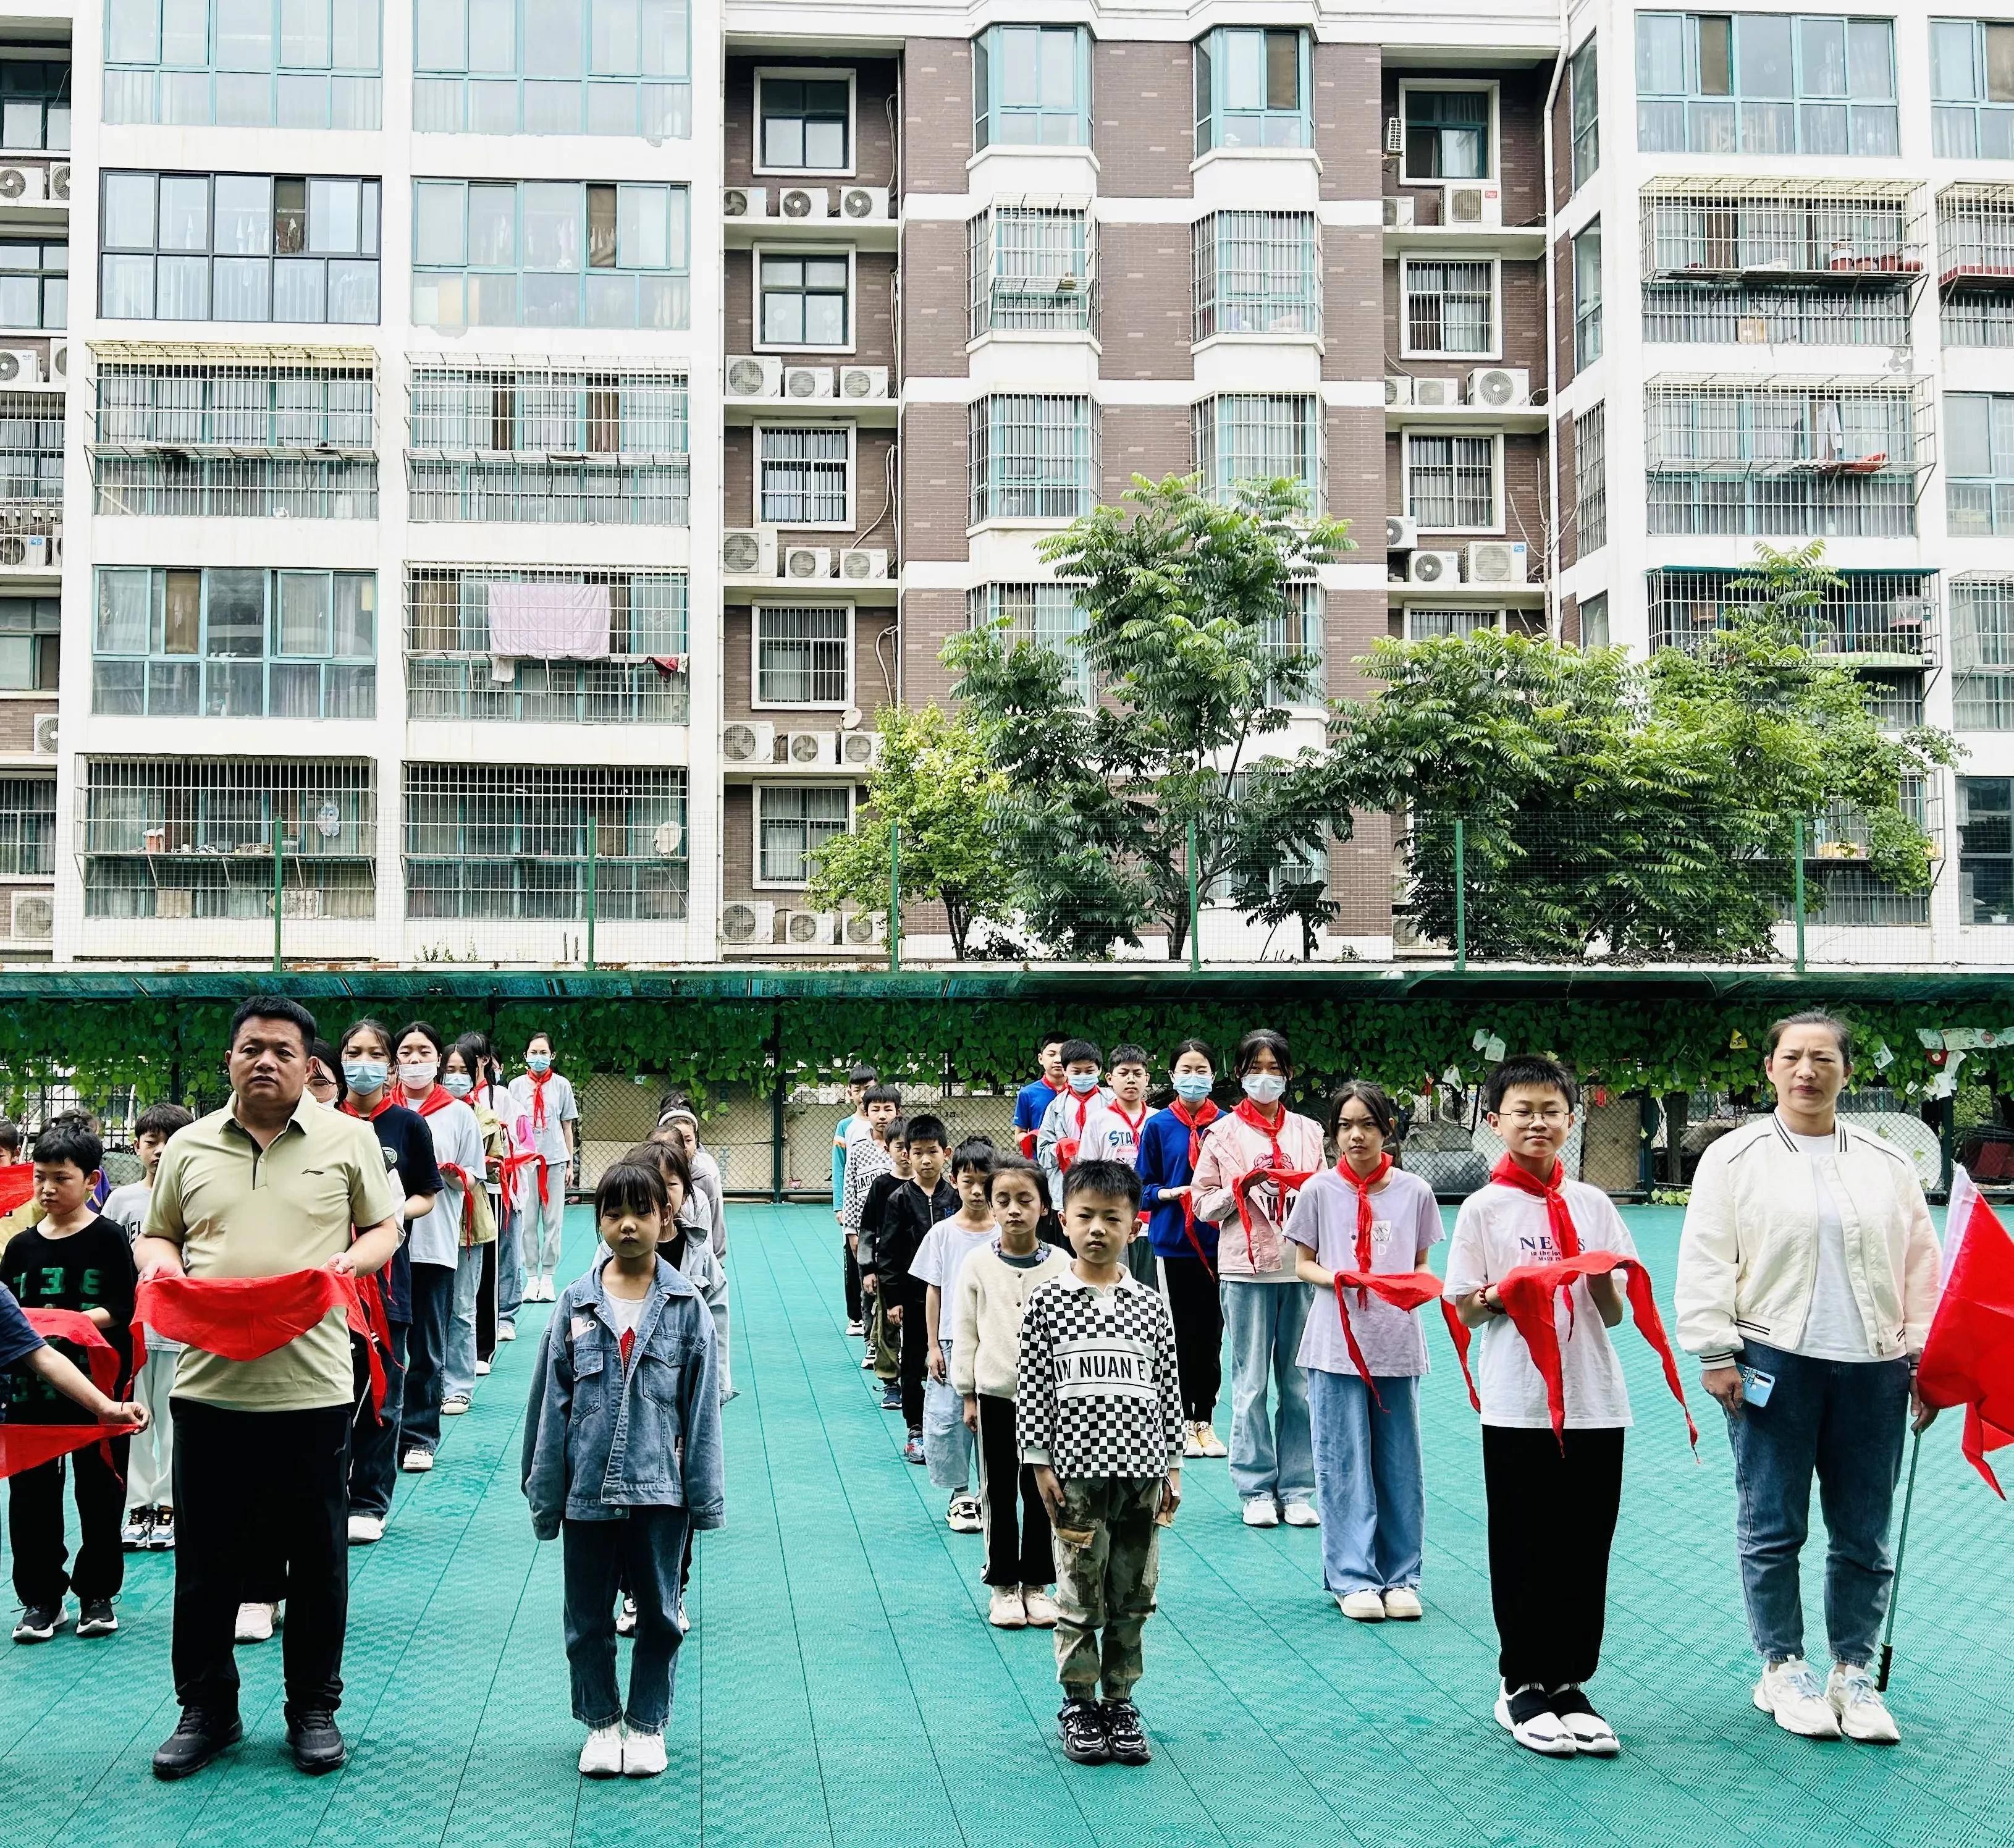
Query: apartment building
{"x": 514, "y": 446}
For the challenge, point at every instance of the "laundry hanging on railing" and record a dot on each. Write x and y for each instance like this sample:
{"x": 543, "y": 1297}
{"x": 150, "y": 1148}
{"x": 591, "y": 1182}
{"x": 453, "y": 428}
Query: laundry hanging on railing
{"x": 549, "y": 622}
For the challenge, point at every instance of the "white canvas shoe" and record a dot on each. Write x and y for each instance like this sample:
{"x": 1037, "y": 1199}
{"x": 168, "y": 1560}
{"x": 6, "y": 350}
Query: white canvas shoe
{"x": 1362, "y": 1607}
{"x": 366, "y": 1529}
{"x": 1301, "y": 1514}
{"x": 1402, "y": 1604}
{"x": 1004, "y": 1611}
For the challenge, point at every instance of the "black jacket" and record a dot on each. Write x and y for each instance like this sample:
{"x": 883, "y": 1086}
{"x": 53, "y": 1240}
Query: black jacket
{"x": 905, "y": 1222}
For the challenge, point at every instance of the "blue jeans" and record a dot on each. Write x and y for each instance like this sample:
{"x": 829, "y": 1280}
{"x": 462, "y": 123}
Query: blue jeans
{"x": 643, "y": 1551}
{"x": 1271, "y": 1454}
{"x": 1843, "y": 1422}
{"x": 510, "y": 1269}
{"x": 1368, "y": 1483}
{"x": 459, "y": 1370}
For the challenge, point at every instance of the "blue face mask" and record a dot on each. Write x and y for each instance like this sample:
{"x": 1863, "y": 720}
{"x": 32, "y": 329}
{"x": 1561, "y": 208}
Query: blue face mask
{"x": 457, "y": 1084}
{"x": 1084, "y": 1083}
{"x": 538, "y": 1061}
{"x": 366, "y": 1074}
{"x": 1265, "y": 1087}
{"x": 1193, "y": 1087}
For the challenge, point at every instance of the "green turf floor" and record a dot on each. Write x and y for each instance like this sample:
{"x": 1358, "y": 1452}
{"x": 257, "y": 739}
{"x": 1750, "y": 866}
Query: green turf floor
{"x": 840, "y": 1685}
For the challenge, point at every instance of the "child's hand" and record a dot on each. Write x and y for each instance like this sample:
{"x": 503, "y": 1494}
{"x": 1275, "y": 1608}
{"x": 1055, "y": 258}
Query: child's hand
{"x": 125, "y": 1412}
{"x": 893, "y": 1313}
{"x": 971, "y": 1412}
{"x": 868, "y": 1285}
{"x": 938, "y": 1370}
{"x": 1051, "y": 1492}
{"x": 1171, "y": 1498}
{"x": 1177, "y": 1193}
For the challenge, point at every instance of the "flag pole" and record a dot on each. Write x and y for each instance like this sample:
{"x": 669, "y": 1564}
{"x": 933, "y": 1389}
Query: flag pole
{"x": 1894, "y": 1585}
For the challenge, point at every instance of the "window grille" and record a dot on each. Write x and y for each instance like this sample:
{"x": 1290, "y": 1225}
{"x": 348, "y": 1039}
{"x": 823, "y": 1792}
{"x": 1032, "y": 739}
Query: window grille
{"x": 793, "y": 822}
{"x": 1591, "y": 480}
{"x": 803, "y": 654}
{"x": 1252, "y": 88}
{"x": 805, "y": 477}
{"x": 1030, "y": 269}
{"x": 1896, "y": 700}
{"x": 1424, "y": 624}
{"x": 1976, "y": 235}
{"x": 1296, "y": 642}
{"x": 1451, "y": 482}
{"x": 1887, "y": 617}
{"x": 1450, "y": 306}
{"x": 1300, "y": 862}
{"x": 1044, "y": 616}
{"x": 1870, "y": 234}
{"x": 1260, "y": 273}
{"x": 1986, "y": 849}
{"x": 258, "y": 64}
{"x": 1032, "y": 457}
{"x": 27, "y": 826}
{"x": 31, "y": 441}
{"x": 35, "y": 284}
{"x": 1982, "y": 619}
{"x": 1794, "y": 315}
{"x": 1979, "y": 464}
{"x": 1979, "y": 317}
{"x": 1260, "y": 436}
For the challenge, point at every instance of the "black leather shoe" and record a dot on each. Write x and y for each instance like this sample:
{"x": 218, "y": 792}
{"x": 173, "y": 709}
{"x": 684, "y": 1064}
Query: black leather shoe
{"x": 197, "y": 1739}
{"x": 317, "y": 1745}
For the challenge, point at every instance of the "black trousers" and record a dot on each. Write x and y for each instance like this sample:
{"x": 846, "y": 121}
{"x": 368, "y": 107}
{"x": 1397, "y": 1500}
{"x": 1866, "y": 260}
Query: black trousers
{"x": 426, "y": 1377}
{"x": 1552, "y": 1520}
{"x": 35, "y": 1526}
{"x": 373, "y": 1447}
{"x": 271, "y": 1483}
{"x": 485, "y": 1305}
{"x": 915, "y": 1360}
{"x": 852, "y": 1278}
{"x": 1197, "y": 1310}
{"x": 1018, "y": 1551}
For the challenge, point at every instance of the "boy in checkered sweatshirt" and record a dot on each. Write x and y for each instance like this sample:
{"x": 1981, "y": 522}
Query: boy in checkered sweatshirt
{"x": 1100, "y": 1422}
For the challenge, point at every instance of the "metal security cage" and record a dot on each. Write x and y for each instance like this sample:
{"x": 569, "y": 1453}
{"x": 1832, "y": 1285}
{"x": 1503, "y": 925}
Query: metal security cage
{"x": 1032, "y": 266}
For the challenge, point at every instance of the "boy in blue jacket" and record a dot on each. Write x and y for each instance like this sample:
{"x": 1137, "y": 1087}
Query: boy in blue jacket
{"x": 621, "y": 1457}
{"x": 1033, "y": 1101}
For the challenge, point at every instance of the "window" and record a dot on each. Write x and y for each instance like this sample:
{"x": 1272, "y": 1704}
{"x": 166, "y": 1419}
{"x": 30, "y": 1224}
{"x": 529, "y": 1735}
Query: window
{"x": 1451, "y": 483}
{"x": 1030, "y": 267}
{"x": 1979, "y": 463}
{"x": 1986, "y": 849}
{"x": 1257, "y": 272}
{"x": 1295, "y": 642}
{"x": 1451, "y": 308}
{"x": 1424, "y": 624}
{"x": 804, "y": 655}
{"x": 1587, "y": 295}
{"x": 518, "y": 842}
{"x": 1252, "y": 88}
{"x": 27, "y": 826}
{"x": 1584, "y": 77}
{"x": 553, "y": 67}
{"x": 253, "y": 247}
{"x": 1256, "y": 436}
{"x": 1032, "y": 457}
{"x": 805, "y": 301}
{"x": 1594, "y": 621}
{"x": 1031, "y": 87}
{"x": 1971, "y": 86}
{"x": 1447, "y": 132}
{"x": 34, "y": 105}
{"x": 1982, "y": 614}
{"x": 804, "y": 478}
{"x": 806, "y": 123}
{"x": 30, "y": 629}
{"x": 31, "y": 441}
{"x": 1876, "y": 618}
{"x": 34, "y": 285}
{"x": 228, "y": 644}
{"x": 792, "y": 822}
{"x": 244, "y": 63}
{"x": 1043, "y": 615}
{"x": 549, "y": 254}
{"x": 1765, "y": 83}
{"x": 1591, "y": 481}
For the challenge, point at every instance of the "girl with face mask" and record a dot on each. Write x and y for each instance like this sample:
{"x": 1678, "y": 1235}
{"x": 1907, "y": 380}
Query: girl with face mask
{"x": 500, "y": 1291}
{"x": 1253, "y": 1166}
{"x": 458, "y": 1079}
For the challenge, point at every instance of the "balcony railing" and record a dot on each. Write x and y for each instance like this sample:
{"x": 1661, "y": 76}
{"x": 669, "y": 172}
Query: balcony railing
{"x": 1730, "y": 229}
{"x": 1879, "y": 619}
{"x": 1976, "y": 235}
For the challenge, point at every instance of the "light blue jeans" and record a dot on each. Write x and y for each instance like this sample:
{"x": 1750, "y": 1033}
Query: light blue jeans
{"x": 1368, "y": 1483}
{"x": 1271, "y": 1453}
{"x": 947, "y": 1443}
{"x": 458, "y": 1371}
{"x": 510, "y": 1270}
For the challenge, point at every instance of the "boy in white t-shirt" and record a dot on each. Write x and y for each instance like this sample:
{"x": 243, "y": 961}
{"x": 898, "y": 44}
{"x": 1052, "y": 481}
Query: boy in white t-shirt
{"x": 947, "y": 1441}
{"x": 1553, "y": 1500}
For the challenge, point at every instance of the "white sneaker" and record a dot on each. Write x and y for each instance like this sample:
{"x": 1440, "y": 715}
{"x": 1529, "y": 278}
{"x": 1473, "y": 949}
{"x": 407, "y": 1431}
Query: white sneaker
{"x": 602, "y": 1756}
{"x": 1591, "y": 1734}
{"x": 1261, "y": 1511}
{"x": 546, "y": 1292}
{"x": 1403, "y": 1604}
{"x": 867, "y": 1363}
{"x": 1040, "y": 1606}
{"x": 643, "y": 1754}
{"x": 366, "y": 1529}
{"x": 506, "y": 1331}
{"x": 1004, "y": 1609}
{"x": 454, "y": 1406}
{"x": 1535, "y": 1727}
{"x": 1302, "y": 1514}
{"x": 1789, "y": 1693}
{"x": 1213, "y": 1445}
{"x": 856, "y": 1328}
{"x": 417, "y": 1462}
{"x": 963, "y": 1515}
{"x": 1364, "y": 1607}
{"x": 482, "y": 1369}
{"x": 255, "y": 1622}
{"x": 625, "y": 1618}
{"x": 1863, "y": 1714}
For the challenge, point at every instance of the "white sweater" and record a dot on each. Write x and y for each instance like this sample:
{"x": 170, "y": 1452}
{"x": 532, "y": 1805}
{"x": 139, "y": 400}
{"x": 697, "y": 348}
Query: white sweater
{"x": 986, "y": 1318}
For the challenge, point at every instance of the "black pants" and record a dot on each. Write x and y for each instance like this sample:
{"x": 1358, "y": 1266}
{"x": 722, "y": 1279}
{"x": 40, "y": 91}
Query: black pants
{"x": 374, "y": 1446}
{"x": 426, "y": 1378}
{"x": 1197, "y": 1312}
{"x": 274, "y": 1482}
{"x": 915, "y": 1360}
{"x": 1552, "y": 1519}
{"x": 35, "y": 1525}
{"x": 852, "y": 1278}
{"x": 1018, "y": 1551}
{"x": 485, "y": 1305}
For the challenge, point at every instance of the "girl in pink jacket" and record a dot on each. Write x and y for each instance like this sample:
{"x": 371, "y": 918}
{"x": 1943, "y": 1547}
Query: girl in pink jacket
{"x": 1252, "y": 1168}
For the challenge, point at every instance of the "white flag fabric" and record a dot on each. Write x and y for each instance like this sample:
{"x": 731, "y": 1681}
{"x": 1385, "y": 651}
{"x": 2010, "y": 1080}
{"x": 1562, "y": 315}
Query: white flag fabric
{"x": 549, "y": 622}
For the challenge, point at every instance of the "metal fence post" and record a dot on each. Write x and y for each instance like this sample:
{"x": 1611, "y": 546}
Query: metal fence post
{"x": 279, "y": 889}
{"x": 1798, "y": 885}
{"x": 1460, "y": 898}
{"x": 1196, "y": 901}
{"x": 894, "y": 897}
{"x": 776, "y": 1123}
{"x": 592, "y": 882}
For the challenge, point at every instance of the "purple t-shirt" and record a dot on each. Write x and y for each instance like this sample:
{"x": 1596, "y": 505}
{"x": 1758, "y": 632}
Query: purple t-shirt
{"x": 1404, "y": 1225}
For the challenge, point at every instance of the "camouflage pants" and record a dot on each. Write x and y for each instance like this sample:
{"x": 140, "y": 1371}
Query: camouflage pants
{"x": 1107, "y": 1584}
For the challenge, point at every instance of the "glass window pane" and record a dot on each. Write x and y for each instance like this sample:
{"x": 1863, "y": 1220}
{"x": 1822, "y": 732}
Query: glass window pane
{"x": 1283, "y": 70}
{"x": 1762, "y": 44}
{"x": 236, "y": 614}
{"x": 1871, "y": 59}
{"x": 553, "y": 38}
{"x": 356, "y": 34}
{"x": 130, "y": 32}
{"x": 243, "y": 288}
{"x": 1952, "y": 77}
{"x": 123, "y": 600}
{"x": 1660, "y": 54}
{"x": 355, "y": 635}
{"x": 129, "y": 212}
{"x": 304, "y": 33}
{"x": 1716, "y": 55}
{"x": 1060, "y": 68}
{"x": 439, "y": 43}
{"x": 492, "y": 35}
{"x": 244, "y": 215}
{"x": 438, "y": 226}
{"x": 1017, "y": 65}
{"x": 245, "y": 34}
{"x": 643, "y": 232}
{"x": 302, "y": 624}
{"x": 333, "y": 227}
{"x": 492, "y": 226}
{"x": 552, "y": 225}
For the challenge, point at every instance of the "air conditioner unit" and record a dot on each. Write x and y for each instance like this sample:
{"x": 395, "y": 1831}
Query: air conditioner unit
{"x": 1395, "y": 138}
{"x": 45, "y": 734}
{"x": 20, "y": 365}
{"x": 860, "y": 750}
{"x": 1434, "y": 568}
{"x": 861, "y": 929}
{"x": 60, "y": 362}
{"x": 1496, "y": 561}
{"x": 14, "y": 549}
{"x": 34, "y": 917}
{"x": 860, "y": 563}
{"x": 42, "y": 551}
{"x": 174, "y": 901}
{"x": 753, "y": 375}
{"x": 811, "y": 750}
{"x": 748, "y": 920}
{"x": 808, "y": 381}
{"x": 803, "y": 201}
{"x": 863, "y": 382}
{"x": 1437, "y": 394}
{"x": 1402, "y": 532}
{"x": 863, "y": 203}
{"x": 1472, "y": 204}
{"x": 21, "y": 186}
{"x": 1398, "y": 389}
{"x": 748, "y": 740}
{"x": 1399, "y": 213}
{"x": 744, "y": 202}
{"x": 1499, "y": 388}
{"x": 810, "y": 930}
{"x": 749, "y": 551}
{"x": 59, "y": 182}
{"x": 801, "y": 561}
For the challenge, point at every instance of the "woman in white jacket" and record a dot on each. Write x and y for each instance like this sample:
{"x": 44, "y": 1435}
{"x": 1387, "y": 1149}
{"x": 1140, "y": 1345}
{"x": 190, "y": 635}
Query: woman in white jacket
{"x": 1807, "y": 1272}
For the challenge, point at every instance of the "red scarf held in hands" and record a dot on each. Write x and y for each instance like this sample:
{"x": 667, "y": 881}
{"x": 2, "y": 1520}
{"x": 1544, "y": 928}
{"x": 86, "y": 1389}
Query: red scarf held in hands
{"x": 29, "y": 1446}
{"x": 432, "y": 1105}
{"x": 508, "y": 1167}
{"x": 1289, "y": 1181}
{"x": 1405, "y": 1290}
{"x": 1205, "y": 1114}
{"x": 1362, "y": 1185}
{"x": 1067, "y": 1146}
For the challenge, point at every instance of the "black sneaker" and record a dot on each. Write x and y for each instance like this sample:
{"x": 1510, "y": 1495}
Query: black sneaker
{"x": 891, "y": 1400}
{"x": 162, "y": 1540}
{"x": 317, "y": 1745}
{"x": 95, "y": 1618}
{"x": 39, "y": 1622}
{"x": 197, "y": 1739}
{"x": 1081, "y": 1725}
{"x": 1125, "y": 1735}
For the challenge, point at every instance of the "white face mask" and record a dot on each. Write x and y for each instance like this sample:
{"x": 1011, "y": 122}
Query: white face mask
{"x": 457, "y": 1084}
{"x": 1264, "y": 1087}
{"x": 418, "y": 1078}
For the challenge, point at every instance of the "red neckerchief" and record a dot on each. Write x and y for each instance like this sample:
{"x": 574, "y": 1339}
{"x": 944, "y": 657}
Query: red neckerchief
{"x": 28, "y": 1446}
{"x": 385, "y": 1102}
{"x": 539, "y": 1081}
{"x": 1068, "y": 1145}
{"x": 1362, "y": 1184}
{"x": 1207, "y": 1113}
{"x": 432, "y": 1105}
{"x": 1135, "y": 1124}
{"x": 508, "y": 1168}
{"x": 626, "y": 1341}
{"x": 1507, "y": 1173}
{"x": 1289, "y": 1181}
{"x": 1406, "y": 1291}
{"x": 1027, "y": 1136}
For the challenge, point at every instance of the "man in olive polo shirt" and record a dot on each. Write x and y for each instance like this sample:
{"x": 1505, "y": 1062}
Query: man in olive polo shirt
{"x": 271, "y": 1184}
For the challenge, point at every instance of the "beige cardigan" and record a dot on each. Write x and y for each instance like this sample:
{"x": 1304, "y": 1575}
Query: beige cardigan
{"x": 986, "y": 1318}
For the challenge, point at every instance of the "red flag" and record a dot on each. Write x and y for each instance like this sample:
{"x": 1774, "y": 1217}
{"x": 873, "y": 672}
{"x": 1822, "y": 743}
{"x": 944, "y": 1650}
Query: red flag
{"x": 1968, "y": 1358}
{"x": 17, "y": 1182}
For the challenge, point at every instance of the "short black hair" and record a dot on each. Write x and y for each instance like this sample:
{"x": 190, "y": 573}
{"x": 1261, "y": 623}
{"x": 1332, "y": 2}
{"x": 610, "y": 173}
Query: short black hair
{"x": 472, "y": 1047}
{"x": 1074, "y": 1050}
{"x": 1010, "y": 1164}
{"x": 663, "y": 1155}
{"x": 1109, "y": 1180}
{"x": 1530, "y": 1068}
{"x": 629, "y": 1187}
{"x": 1194, "y": 1045}
{"x": 166, "y": 1119}
{"x": 1129, "y": 1054}
{"x": 895, "y": 1132}
{"x": 540, "y": 1033}
{"x": 1261, "y": 1039}
{"x": 923, "y": 1127}
{"x": 863, "y": 1074}
{"x": 879, "y": 1093}
{"x": 274, "y": 1007}
{"x": 975, "y": 1152}
{"x": 369, "y": 1023}
{"x": 10, "y": 1134}
{"x": 427, "y": 1031}
{"x": 1810, "y": 1016}
{"x": 1372, "y": 1097}
{"x": 69, "y": 1138}
{"x": 1059, "y": 1038}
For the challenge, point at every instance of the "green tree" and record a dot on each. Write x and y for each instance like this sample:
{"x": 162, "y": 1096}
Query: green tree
{"x": 933, "y": 777}
{"x": 1184, "y": 640}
